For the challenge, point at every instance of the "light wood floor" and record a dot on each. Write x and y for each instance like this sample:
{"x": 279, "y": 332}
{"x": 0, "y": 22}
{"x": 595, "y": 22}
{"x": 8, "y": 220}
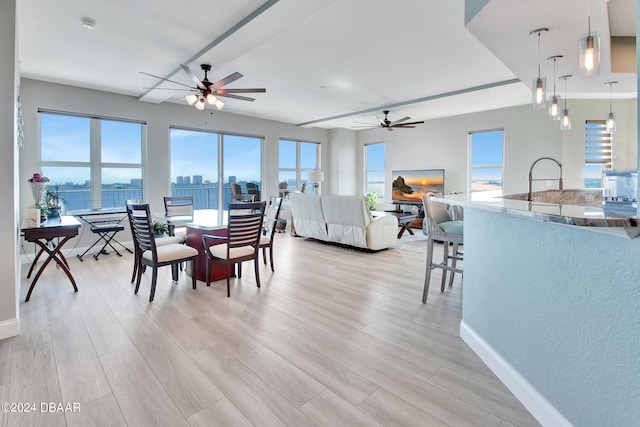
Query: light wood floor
{"x": 335, "y": 337}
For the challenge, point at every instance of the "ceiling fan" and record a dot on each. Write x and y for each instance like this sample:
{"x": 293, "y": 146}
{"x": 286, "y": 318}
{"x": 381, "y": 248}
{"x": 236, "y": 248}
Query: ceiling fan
{"x": 385, "y": 123}
{"x": 208, "y": 91}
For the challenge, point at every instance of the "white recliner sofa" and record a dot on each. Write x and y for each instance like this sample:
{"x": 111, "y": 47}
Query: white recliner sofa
{"x": 342, "y": 219}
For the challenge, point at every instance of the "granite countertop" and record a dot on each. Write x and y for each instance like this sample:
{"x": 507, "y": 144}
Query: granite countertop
{"x": 577, "y": 208}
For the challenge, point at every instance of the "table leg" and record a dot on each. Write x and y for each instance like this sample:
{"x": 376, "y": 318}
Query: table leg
{"x": 57, "y": 256}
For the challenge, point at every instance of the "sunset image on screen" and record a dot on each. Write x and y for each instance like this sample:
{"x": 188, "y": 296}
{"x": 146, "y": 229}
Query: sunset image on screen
{"x": 411, "y": 185}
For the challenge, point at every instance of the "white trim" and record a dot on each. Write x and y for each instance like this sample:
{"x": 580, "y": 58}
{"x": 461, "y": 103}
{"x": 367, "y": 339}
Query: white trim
{"x": 9, "y": 328}
{"x": 539, "y": 407}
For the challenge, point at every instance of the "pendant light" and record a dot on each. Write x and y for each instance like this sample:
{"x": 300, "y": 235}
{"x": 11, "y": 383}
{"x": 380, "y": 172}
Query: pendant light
{"x": 554, "y": 107}
{"x": 565, "y": 120}
{"x": 590, "y": 53}
{"x": 539, "y": 83}
{"x": 611, "y": 118}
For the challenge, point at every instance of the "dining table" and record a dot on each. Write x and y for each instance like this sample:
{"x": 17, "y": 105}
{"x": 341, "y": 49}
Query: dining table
{"x": 50, "y": 237}
{"x": 202, "y": 221}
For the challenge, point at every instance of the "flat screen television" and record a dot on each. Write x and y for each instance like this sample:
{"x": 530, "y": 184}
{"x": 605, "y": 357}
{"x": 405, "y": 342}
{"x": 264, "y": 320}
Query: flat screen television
{"x": 408, "y": 186}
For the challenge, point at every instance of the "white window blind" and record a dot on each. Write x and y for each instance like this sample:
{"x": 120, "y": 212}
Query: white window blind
{"x": 598, "y": 144}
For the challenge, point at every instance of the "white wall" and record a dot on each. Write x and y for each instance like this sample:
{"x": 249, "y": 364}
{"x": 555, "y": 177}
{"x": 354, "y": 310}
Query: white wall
{"x": 529, "y": 134}
{"x": 342, "y": 166}
{"x": 38, "y": 94}
{"x": 10, "y": 281}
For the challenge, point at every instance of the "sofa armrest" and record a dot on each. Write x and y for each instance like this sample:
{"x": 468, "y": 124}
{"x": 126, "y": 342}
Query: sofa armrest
{"x": 382, "y": 232}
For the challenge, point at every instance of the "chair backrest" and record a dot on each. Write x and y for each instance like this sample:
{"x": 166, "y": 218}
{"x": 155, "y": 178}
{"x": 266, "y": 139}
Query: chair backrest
{"x": 245, "y": 224}
{"x": 235, "y": 188}
{"x": 178, "y": 205}
{"x": 283, "y": 185}
{"x": 271, "y": 216}
{"x": 434, "y": 213}
{"x": 252, "y": 188}
{"x": 141, "y": 227}
{"x": 303, "y": 189}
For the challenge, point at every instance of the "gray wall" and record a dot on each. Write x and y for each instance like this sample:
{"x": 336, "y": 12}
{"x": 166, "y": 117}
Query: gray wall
{"x": 560, "y": 305}
{"x": 10, "y": 281}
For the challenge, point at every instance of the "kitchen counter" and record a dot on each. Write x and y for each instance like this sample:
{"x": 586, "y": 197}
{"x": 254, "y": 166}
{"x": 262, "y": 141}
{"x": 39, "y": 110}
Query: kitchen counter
{"x": 582, "y": 208}
{"x": 552, "y": 306}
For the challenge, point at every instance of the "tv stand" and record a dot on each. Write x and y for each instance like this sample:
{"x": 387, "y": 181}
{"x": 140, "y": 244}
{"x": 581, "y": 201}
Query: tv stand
{"x": 399, "y": 204}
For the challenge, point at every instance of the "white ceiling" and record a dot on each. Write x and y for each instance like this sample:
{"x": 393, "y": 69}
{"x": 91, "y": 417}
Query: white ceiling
{"x": 324, "y": 63}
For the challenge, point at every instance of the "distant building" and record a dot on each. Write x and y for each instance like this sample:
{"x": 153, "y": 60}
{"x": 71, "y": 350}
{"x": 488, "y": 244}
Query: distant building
{"x": 187, "y": 180}
{"x": 180, "y": 180}
{"x": 232, "y": 179}
{"x": 197, "y": 179}
{"x": 136, "y": 182}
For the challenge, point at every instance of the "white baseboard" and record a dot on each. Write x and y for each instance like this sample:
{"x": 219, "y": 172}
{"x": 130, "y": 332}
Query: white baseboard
{"x": 9, "y": 328}
{"x": 535, "y": 403}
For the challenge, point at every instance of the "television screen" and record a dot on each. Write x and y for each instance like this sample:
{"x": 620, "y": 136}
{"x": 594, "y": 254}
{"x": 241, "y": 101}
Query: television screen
{"x": 408, "y": 186}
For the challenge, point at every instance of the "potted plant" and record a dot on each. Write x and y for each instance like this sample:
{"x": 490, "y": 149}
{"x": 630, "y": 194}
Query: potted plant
{"x": 372, "y": 199}
{"x": 53, "y": 201}
{"x": 160, "y": 228}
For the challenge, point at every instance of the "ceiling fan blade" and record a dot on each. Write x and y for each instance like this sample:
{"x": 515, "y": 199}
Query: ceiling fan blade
{"x": 365, "y": 123}
{"x": 410, "y": 123}
{"x": 254, "y": 90}
{"x": 243, "y": 98}
{"x": 395, "y": 122}
{"x": 364, "y": 126}
{"x": 172, "y": 88}
{"x": 167, "y": 80}
{"x": 403, "y": 126}
{"x": 229, "y": 79}
{"x": 193, "y": 77}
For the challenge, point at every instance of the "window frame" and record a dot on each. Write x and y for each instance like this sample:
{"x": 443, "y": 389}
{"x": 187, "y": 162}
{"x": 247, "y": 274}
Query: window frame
{"x": 298, "y": 169}
{"x": 220, "y": 149}
{"x": 367, "y": 170}
{"x": 471, "y": 167}
{"x": 95, "y": 163}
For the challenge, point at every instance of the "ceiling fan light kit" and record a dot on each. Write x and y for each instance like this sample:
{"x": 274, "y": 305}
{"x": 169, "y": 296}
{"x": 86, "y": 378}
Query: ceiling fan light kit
{"x": 206, "y": 91}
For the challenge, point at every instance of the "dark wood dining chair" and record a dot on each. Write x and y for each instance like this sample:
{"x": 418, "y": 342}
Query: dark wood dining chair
{"x": 160, "y": 241}
{"x": 269, "y": 228}
{"x": 178, "y": 206}
{"x": 241, "y": 242}
{"x": 152, "y": 255}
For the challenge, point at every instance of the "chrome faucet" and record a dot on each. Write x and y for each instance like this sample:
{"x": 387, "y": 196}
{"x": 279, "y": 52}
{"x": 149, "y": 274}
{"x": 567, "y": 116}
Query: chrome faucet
{"x": 543, "y": 179}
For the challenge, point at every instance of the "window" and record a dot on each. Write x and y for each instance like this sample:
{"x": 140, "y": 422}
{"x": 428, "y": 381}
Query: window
{"x": 485, "y": 164}
{"x": 374, "y": 169}
{"x": 94, "y": 162}
{"x": 598, "y": 152}
{"x": 201, "y": 160}
{"x": 297, "y": 160}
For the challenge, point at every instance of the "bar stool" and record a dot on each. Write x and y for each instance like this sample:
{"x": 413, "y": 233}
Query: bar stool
{"x": 440, "y": 227}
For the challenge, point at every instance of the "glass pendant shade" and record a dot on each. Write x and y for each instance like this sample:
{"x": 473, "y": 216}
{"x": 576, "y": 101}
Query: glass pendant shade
{"x": 611, "y": 122}
{"x": 218, "y": 104}
{"x": 539, "y": 92}
{"x": 590, "y": 53}
{"x": 211, "y": 99}
{"x": 565, "y": 122}
{"x": 200, "y": 104}
{"x": 554, "y": 108}
{"x": 191, "y": 99}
